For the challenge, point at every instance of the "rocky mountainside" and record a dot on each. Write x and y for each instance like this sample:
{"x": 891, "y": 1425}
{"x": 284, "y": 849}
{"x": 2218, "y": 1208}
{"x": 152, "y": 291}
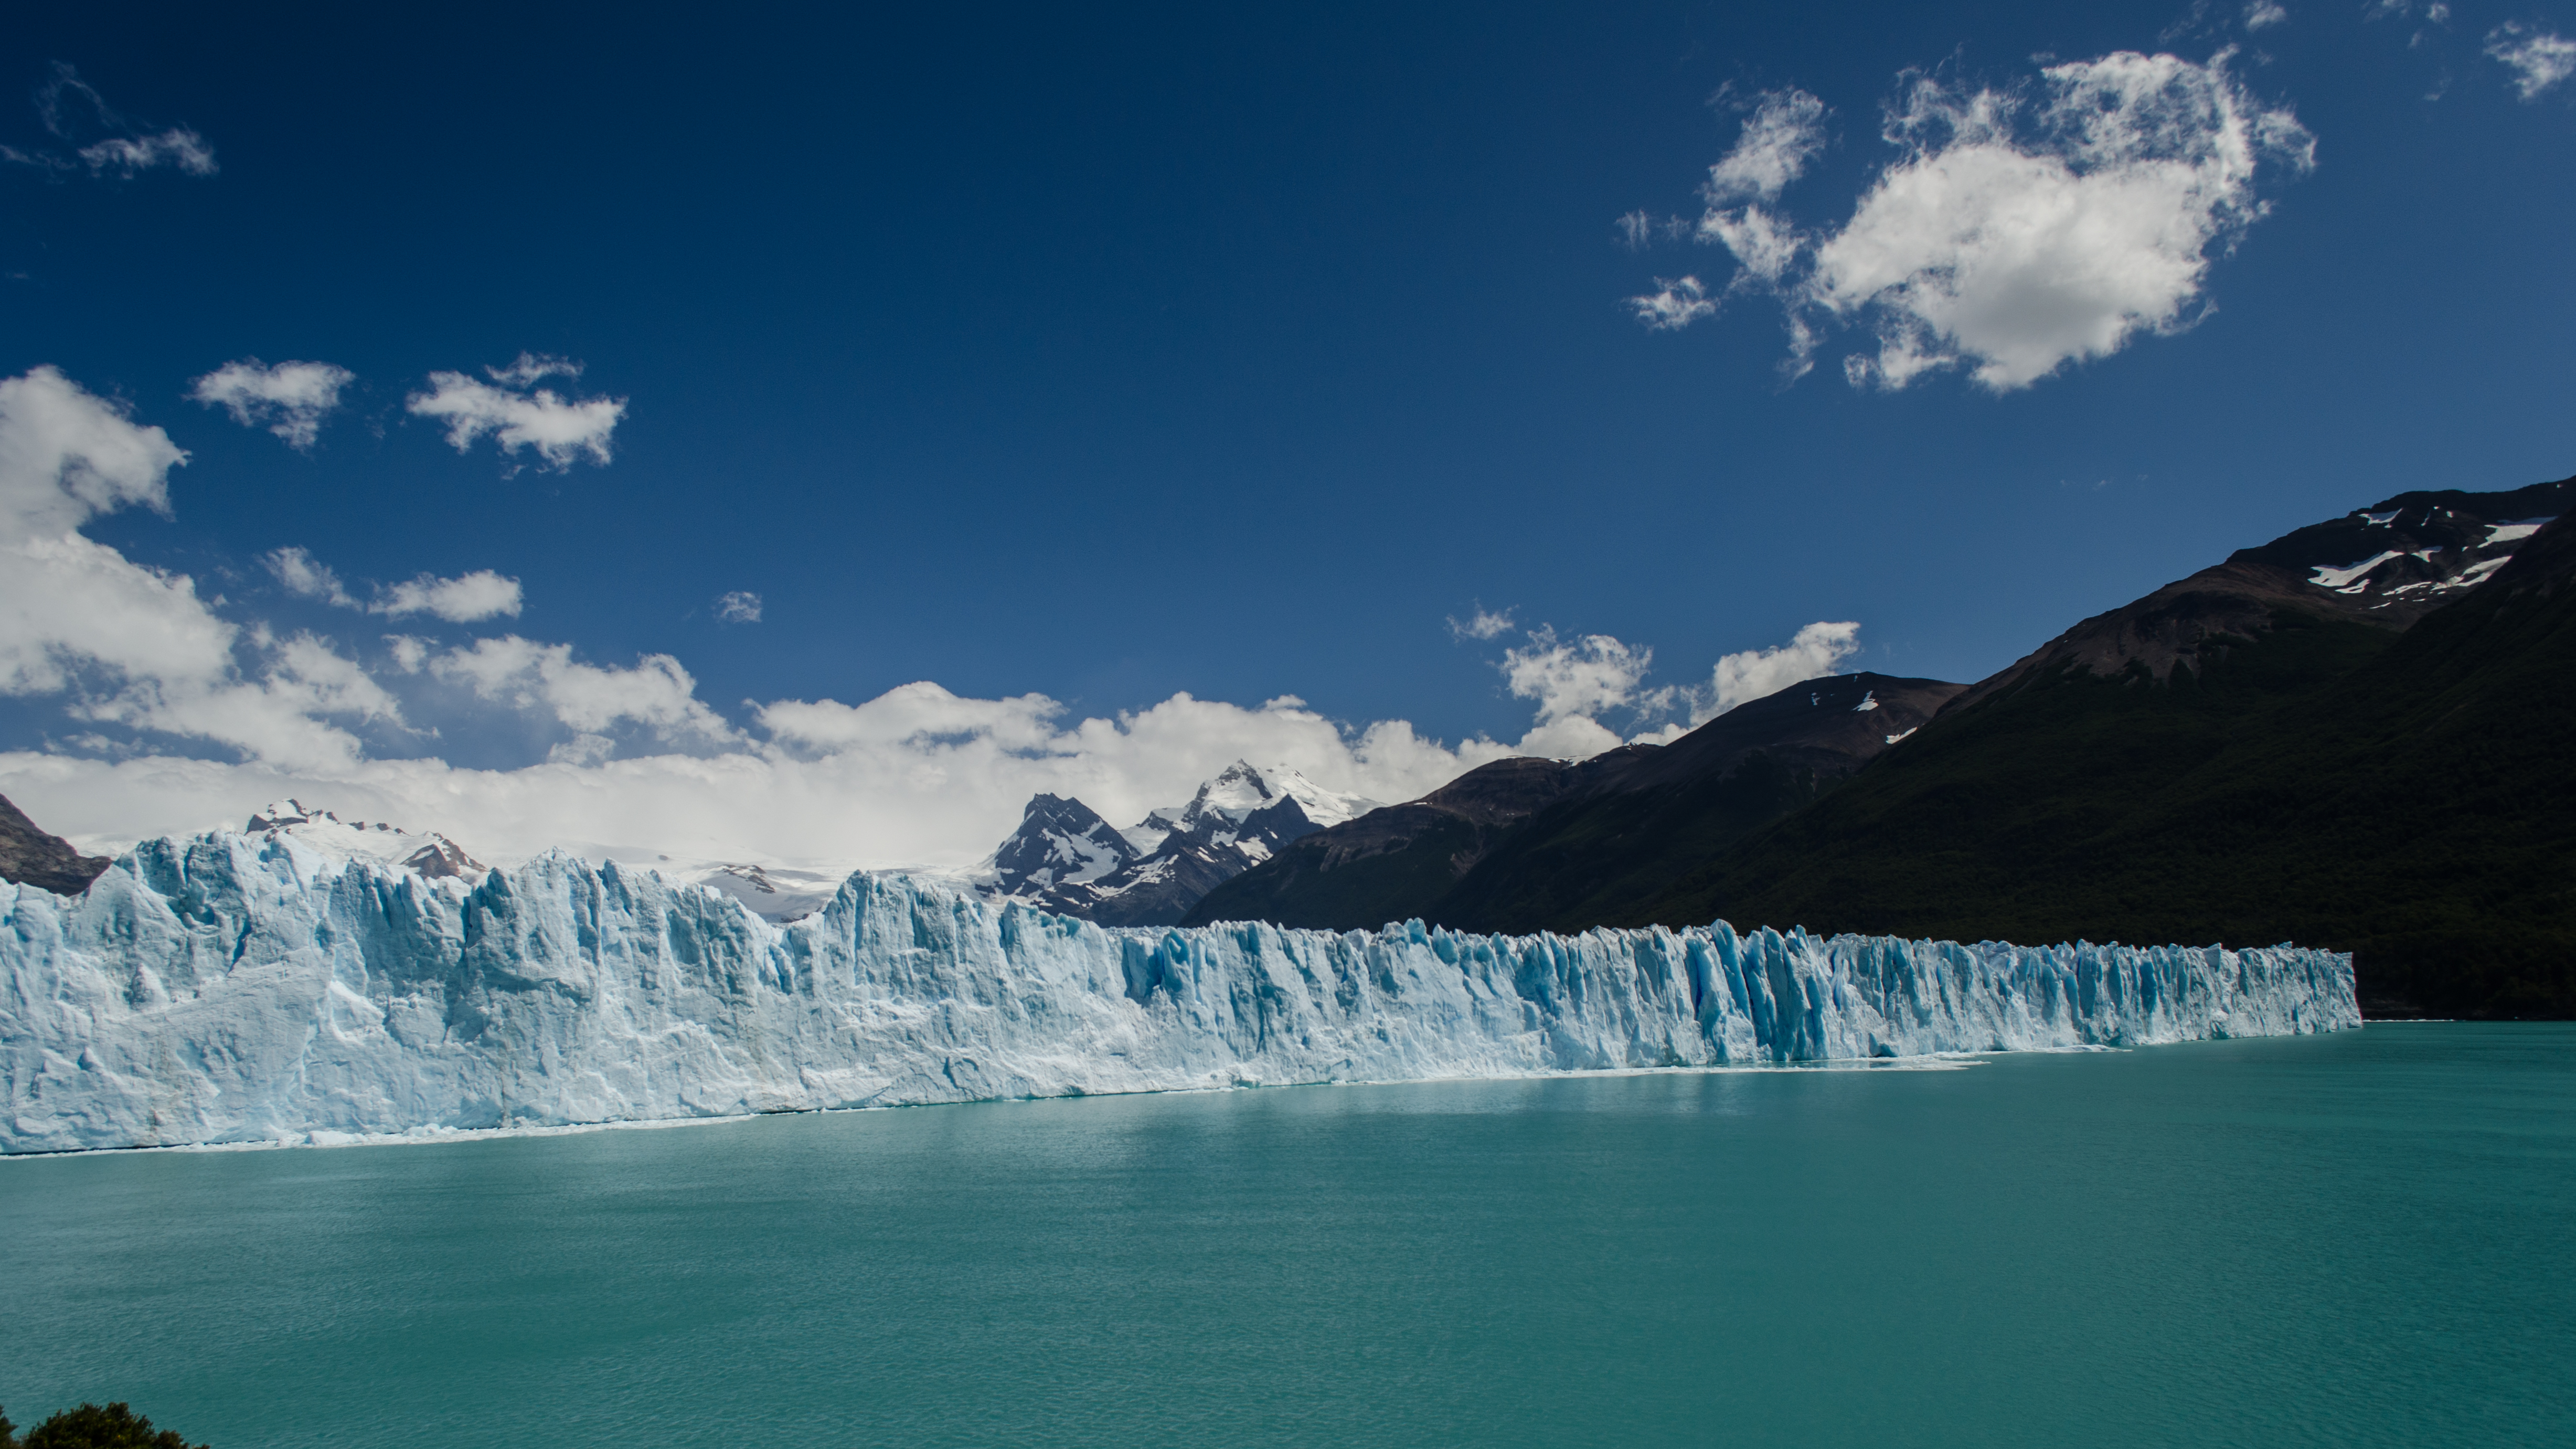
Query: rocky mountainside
{"x": 2330, "y": 739}
{"x": 1519, "y": 838}
{"x": 2386, "y": 566}
{"x": 2355, "y": 736}
{"x": 1065, "y": 858}
{"x": 31, "y": 857}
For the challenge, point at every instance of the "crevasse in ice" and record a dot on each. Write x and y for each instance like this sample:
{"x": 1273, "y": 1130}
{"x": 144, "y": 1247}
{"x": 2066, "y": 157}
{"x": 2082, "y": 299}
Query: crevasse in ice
{"x": 227, "y": 989}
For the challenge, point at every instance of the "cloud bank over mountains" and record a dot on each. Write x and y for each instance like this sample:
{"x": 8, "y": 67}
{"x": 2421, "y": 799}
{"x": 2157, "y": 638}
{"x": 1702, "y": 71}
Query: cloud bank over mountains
{"x": 217, "y": 713}
{"x": 2018, "y": 229}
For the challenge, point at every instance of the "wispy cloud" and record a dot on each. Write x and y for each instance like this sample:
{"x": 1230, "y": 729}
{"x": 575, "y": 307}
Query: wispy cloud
{"x": 291, "y": 398}
{"x": 738, "y": 607}
{"x": 533, "y": 367}
{"x": 465, "y": 599}
{"x": 518, "y": 415}
{"x": 301, "y": 574}
{"x": 71, "y": 108}
{"x": 1675, "y": 303}
{"x": 1481, "y": 623}
{"x": 1783, "y": 130}
{"x": 2538, "y": 58}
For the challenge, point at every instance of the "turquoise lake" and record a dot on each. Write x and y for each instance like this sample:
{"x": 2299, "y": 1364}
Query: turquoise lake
{"x": 2357, "y": 1239}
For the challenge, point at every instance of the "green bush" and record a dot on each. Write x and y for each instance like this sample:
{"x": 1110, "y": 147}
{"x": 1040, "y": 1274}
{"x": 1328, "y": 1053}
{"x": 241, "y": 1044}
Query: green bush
{"x": 91, "y": 1427}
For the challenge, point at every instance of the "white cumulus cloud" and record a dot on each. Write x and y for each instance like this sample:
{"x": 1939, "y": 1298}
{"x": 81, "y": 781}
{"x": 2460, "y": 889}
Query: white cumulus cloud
{"x": 291, "y": 398}
{"x": 132, "y": 645}
{"x": 657, "y": 694}
{"x": 464, "y": 599}
{"x": 517, "y": 414}
{"x": 2015, "y": 248}
{"x": 2538, "y": 58}
{"x": 1812, "y": 653}
{"x": 916, "y": 776}
{"x": 1573, "y": 682}
{"x": 2017, "y": 231}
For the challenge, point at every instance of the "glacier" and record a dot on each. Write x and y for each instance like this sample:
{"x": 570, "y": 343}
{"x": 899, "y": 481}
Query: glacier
{"x": 231, "y": 989}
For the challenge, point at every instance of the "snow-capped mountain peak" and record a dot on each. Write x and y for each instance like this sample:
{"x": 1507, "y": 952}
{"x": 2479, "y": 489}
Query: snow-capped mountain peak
{"x": 428, "y": 854}
{"x": 1060, "y": 842}
{"x": 1066, "y": 858}
{"x": 1242, "y": 791}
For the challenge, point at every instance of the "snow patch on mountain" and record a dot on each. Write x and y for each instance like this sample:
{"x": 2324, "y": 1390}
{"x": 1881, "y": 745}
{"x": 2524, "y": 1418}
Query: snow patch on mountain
{"x": 2341, "y": 579}
{"x": 2513, "y": 532}
{"x": 428, "y": 854}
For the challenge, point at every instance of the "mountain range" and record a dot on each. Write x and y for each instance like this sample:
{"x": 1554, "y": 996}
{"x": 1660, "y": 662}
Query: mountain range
{"x": 1065, "y": 858}
{"x": 2355, "y": 736}
{"x": 1477, "y": 847}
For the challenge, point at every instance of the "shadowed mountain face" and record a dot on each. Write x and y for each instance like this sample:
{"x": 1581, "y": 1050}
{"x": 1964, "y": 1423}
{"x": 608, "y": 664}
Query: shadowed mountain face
{"x": 2357, "y": 736}
{"x": 1498, "y": 840}
{"x": 2308, "y": 773}
{"x": 31, "y": 857}
{"x": 2385, "y": 566}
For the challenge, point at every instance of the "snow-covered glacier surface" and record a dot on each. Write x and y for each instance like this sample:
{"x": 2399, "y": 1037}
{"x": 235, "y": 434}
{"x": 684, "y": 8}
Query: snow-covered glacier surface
{"x": 230, "y": 989}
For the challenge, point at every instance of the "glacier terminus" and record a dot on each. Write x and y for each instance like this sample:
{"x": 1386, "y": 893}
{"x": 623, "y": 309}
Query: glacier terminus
{"x": 236, "y": 989}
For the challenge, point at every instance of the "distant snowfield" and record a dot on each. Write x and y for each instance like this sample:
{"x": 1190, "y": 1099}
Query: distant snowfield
{"x": 233, "y": 991}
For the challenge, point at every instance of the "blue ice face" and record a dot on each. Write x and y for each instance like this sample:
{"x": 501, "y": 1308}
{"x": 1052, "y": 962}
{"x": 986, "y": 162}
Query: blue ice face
{"x": 228, "y": 989}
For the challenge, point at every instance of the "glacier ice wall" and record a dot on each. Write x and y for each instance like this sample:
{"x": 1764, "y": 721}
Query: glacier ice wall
{"x": 227, "y": 989}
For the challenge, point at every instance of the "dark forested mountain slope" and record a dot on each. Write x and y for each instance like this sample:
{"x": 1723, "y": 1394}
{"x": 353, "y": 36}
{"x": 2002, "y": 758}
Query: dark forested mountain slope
{"x": 2401, "y": 795}
{"x": 1517, "y": 830}
{"x": 1598, "y": 855}
{"x": 2361, "y": 735}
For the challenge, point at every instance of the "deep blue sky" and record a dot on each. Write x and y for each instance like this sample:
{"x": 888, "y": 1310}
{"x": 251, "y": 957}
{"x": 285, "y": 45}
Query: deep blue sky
{"x": 1111, "y": 353}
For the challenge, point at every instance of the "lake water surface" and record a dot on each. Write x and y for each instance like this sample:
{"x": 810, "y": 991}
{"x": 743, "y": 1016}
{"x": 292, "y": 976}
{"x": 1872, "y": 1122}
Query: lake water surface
{"x": 2357, "y": 1239}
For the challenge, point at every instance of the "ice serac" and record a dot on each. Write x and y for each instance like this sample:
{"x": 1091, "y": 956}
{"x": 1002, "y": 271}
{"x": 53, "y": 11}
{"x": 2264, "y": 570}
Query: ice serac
{"x": 231, "y": 989}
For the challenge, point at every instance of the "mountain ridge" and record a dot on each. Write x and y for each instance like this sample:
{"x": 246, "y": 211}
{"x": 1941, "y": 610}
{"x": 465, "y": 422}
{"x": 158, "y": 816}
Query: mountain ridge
{"x": 1066, "y": 858}
{"x": 1434, "y": 857}
{"x": 2349, "y": 736}
{"x": 2386, "y": 791}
